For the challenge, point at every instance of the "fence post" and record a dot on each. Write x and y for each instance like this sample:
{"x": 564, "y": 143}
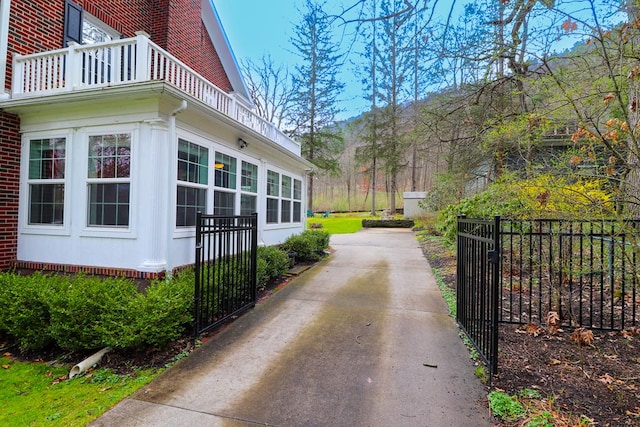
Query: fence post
{"x": 495, "y": 291}
{"x": 198, "y": 266}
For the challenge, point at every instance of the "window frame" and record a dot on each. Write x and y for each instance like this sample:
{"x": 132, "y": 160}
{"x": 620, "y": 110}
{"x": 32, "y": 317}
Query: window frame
{"x": 25, "y": 226}
{"x": 191, "y": 184}
{"x": 130, "y": 231}
{"x": 287, "y": 199}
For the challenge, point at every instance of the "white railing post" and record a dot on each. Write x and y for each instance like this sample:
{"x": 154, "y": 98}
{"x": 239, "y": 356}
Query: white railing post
{"x": 233, "y": 108}
{"x": 73, "y": 70}
{"x": 17, "y": 84}
{"x": 143, "y": 64}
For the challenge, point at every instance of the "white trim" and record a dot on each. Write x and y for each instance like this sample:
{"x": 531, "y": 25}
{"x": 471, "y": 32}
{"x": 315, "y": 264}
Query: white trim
{"x": 23, "y": 217}
{"x": 212, "y": 23}
{"x": 82, "y": 142}
{"x": 5, "y": 9}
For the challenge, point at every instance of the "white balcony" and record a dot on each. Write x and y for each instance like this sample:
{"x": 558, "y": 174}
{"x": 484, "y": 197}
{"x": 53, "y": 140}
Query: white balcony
{"x": 125, "y": 62}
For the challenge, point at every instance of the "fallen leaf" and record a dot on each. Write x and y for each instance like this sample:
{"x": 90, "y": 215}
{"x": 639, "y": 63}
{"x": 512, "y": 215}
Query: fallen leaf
{"x": 553, "y": 321}
{"x": 5, "y": 366}
{"x": 606, "y": 379}
{"x": 555, "y": 362}
{"x": 582, "y": 336}
{"x": 533, "y": 329}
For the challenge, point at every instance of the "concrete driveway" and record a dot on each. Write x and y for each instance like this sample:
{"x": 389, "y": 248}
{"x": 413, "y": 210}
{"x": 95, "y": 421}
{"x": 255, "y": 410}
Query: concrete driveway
{"x": 362, "y": 339}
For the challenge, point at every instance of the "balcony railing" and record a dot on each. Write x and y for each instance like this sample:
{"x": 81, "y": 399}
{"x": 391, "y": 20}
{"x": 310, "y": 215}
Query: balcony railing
{"x": 127, "y": 61}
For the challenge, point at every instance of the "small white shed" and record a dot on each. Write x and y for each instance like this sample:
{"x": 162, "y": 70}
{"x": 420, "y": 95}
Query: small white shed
{"x": 411, "y": 207}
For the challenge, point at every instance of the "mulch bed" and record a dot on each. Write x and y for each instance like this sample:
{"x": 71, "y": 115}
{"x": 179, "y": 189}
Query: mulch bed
{"x": 577, "y": 373}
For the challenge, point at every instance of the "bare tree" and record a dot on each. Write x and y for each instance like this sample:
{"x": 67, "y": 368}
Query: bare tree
{"x": 271, "y": 89}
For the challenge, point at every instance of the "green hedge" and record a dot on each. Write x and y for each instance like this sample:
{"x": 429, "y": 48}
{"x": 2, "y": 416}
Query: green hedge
{"x": 308, "y": 246}
{"x": 84, "y": 313}
{"x": 271, "y": 265}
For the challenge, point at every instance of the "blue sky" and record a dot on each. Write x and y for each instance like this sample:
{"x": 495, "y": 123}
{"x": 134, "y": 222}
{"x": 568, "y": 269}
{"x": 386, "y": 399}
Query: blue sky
{"x": 256, "y": 27}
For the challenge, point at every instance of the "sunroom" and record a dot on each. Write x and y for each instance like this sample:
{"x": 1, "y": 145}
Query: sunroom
{"x": 123, "y": 144}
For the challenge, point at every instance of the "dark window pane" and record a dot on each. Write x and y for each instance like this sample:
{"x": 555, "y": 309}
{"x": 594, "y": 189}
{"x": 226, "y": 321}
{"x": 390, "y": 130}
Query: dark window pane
{"x": 272, "y": 211}
{"x": 286, "y": 211}
{"x": 190, "y": 201}
{"x": 224, "y": 203}
{"x": 46, "y": 204}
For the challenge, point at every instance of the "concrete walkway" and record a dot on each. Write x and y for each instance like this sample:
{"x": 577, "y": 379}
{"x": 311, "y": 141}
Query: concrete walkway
{"x": 361, "y": 339}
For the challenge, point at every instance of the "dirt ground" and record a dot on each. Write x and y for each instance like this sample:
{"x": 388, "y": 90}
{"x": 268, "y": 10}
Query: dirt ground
{"x": 595, "y": 374}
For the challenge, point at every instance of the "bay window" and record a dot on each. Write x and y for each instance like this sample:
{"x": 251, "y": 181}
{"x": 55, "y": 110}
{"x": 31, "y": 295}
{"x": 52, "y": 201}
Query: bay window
{"x": 284, "y": 198}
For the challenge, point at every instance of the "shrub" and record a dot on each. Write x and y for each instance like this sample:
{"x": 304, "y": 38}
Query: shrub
{"x": 544, "y": 196}
{"x": 160, "y": 315}
{"x": 90, "y": 312}
{"x": 271, "y": 264}
{"x": 25, "y": 309}
{"x": 308, "y": 246}
{"x": 85, "y": 313}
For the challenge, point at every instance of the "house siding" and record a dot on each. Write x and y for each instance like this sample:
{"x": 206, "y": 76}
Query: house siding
{"x": 9, "y": 187}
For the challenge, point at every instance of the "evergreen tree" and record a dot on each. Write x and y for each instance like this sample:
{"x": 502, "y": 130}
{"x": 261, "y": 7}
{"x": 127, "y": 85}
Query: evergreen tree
{"x": 316, "y": 89}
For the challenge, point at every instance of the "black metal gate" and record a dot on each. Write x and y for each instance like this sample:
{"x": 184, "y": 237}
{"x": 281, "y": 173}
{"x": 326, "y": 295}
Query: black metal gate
{"x": 225, "y": 270}
{"x": 478, "y": 269}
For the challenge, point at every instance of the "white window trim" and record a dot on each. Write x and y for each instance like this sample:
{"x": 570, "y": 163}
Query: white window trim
{"x": 188, "y": 184}
{"x": 279, "y": 224}
{"x": 129, "y": 232}
{"x": 87, "y": 17}
{"x": 23, "y": 204}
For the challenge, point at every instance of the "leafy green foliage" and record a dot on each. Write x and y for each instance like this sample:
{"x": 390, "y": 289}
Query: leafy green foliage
{"x": 308, "y": 246}
{"x": 544, "y": 196}
{"x": 24, "y": 312}
{"x": 504, "y": 406}
{"x": 84, "y": 313}
{"x": 271, "y": 264}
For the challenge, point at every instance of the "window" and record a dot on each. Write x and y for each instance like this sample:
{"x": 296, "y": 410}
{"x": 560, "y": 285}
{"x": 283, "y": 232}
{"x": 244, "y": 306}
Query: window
{"x": 193, "y": 177}
{"x": 249, "y": 187}
{"x": 297, "y": 200}
{"x": 224, "y": 202}
{"x": 284, "y": 198}
{"x": 285, "y": 212}
{"x": 47, "y": 159}
{"x": 109, "y": 183}
{"x": 273, "y": 193}
{"x": 225, "y": 171}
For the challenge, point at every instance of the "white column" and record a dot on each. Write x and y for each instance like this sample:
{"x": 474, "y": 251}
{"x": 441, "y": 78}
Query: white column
{"x": 153, "y": 214}
{"x": 5, "y": 7}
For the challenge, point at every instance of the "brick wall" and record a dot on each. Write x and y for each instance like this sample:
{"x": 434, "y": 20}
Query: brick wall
{"x": 9, "y": 187}
{"x": 175, "y": 25}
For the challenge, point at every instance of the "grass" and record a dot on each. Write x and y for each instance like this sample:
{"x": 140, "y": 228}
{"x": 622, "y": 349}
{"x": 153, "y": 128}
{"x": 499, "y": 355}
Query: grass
{"x": 39, "y": 394}
{"x": 340, "y": 223}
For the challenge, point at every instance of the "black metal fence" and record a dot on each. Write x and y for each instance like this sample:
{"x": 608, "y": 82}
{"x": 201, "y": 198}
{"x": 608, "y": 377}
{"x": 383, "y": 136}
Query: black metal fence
{"x": 583, "y": 273}
{"x": 586, "y": 272}
{"x": 225, "y": 269}
{"x": 477, "y": 285}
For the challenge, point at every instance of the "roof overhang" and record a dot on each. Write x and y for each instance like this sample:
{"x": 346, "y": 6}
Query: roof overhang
{"x": 212, "y": 23}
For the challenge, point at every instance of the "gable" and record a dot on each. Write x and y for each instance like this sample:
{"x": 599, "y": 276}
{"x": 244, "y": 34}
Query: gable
{"x": 219, "y": 40}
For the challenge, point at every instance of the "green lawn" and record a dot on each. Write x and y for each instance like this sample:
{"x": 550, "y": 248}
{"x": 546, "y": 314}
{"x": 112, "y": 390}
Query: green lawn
{"x": 339, "y": 223}
{"x": 38, "y": 394}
